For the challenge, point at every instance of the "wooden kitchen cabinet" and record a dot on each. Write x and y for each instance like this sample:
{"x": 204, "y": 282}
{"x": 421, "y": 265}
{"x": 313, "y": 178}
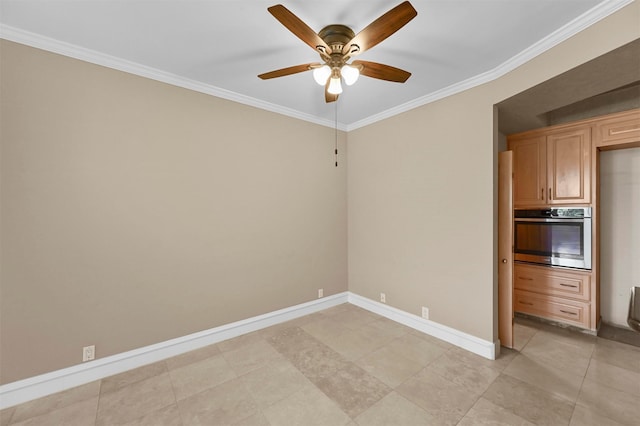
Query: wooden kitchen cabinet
{"x": 554, "y": 308}
{"x": 552, "y": 167}
{"x": 529, "y": 170}
{"x": 618, "y": 131}
{"x": 557, "y": 294}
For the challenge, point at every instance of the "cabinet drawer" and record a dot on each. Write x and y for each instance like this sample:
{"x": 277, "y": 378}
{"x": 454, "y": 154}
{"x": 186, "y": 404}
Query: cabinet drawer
{"x": 576, "y": 285}
{"x": 619, "y": 130}
{"x": 571, "y": 312}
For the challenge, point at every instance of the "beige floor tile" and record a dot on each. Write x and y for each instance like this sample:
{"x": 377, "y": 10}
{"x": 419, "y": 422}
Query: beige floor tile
{"x": 325, "y": 328}
{"x": 353, "y": 343}
{"x": 447, "y": 402}
{"x": 199, "y": 376}
{"x": 379, "y": 335}
{"x": 307, "y": 407}
{"x": 134, "y": 401}
{"x": 353, "y": 389}
{"x": 119, "y": 381}
{"x": 251, "y": 357}
{"x": 192, "y": 356}
{"x": 279, "y": 366}
{"x": 558, "y": 353}
{"x": 77, "y": 414}
{"x": 226, "y": 404}
{"x": 453, "y": 367}
{"x": 485, "y": 412}
{"x": 339, "y": 308}
{"x": 5, "y": 415}
{"x": 245, "y": 339}
{"x": 390, "y": 328}
{"x": 296, "y": 322}
{"x": 167, "y": 416}
{"x": 416, "y": 349}
{"x": 618, "y": 354}
{"x": 614, "y": 376}
{"x": 431, "y": 339}
{"x": 388, "y": 366}
{"x": 608, "y": 402}
{"x": 56, "y": 401}
{"x": 394, "y": 410}
{"x": 313, "y": 358}
{"x": 529, "y": 402}
{"x": 522, "y": 333}
{"x": 563, "y": 383}
{"x": 274, "y": 382}
{"x": 355, "y": 318}
{"x": 258, "y": 419}
{"x": 292, "y": 340}
{"x": 584, "y": 416}
{"x": 586, "y": 342}
{"x": 504, "y": 359}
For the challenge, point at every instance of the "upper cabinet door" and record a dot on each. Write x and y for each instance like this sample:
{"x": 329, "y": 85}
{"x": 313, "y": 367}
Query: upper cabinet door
{"x": 529, "y": 171}
{"x": 569, "y": 167}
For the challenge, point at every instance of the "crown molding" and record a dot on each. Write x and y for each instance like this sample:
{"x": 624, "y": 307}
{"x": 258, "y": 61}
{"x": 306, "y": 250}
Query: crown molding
{"x": 592, "y": 16}
{"x": 92, "y": 56}
{"x": 595, "y": 14}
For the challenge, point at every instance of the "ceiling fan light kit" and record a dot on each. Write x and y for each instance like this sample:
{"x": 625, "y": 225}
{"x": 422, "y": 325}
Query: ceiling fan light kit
{"x": 321, "y": 74}
{"x": 336, "y": 44}
{"x": 335, "y": 87}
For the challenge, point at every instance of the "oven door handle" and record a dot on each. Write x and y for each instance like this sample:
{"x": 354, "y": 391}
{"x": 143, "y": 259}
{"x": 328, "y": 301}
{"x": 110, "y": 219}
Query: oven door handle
{"x": 548, "y": 220}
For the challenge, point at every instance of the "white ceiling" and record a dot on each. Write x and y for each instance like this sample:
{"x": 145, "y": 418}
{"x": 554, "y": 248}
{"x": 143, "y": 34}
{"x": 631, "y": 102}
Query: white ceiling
{"x": 219, "y": 47}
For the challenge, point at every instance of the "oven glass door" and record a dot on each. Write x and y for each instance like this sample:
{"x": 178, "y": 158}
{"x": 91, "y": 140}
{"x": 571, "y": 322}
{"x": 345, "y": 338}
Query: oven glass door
{"x": 554, "y": 242}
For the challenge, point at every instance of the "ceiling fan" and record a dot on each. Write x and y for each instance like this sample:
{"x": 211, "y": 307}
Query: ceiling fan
{"x": 336, "y": 44}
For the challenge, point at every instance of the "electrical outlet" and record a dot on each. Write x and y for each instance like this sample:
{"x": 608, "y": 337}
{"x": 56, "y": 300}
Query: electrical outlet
{"x": 88, "y": 353}
{"x": 383, "y": 298}
{"x": 320, "y": 293}
{"x": 425, "y": 312}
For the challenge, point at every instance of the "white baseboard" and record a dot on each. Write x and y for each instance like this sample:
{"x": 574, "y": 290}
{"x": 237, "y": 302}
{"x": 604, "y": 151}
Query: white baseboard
{"x": 45, "y": 384}
{"x": 466, "y": 341}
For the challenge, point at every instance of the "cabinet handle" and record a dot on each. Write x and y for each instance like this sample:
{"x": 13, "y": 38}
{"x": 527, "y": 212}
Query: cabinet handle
{"x": 542, "y": 194}
{"x": 568, "y": 312}
{"x": 568, "y": 285}
{"x": 525, "y": 278}
{"x": 526, "y": 303}
{"x": 549, "y": 194}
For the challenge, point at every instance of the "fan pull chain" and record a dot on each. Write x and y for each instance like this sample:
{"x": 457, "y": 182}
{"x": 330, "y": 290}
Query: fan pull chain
{"x": 336, "y": 132}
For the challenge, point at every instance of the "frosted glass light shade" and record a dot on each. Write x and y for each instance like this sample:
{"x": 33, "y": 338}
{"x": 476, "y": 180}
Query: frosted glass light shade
{"x": 320, "y": 75}
{"x": 350, "y": 74}
{"x": 335, "y": 88}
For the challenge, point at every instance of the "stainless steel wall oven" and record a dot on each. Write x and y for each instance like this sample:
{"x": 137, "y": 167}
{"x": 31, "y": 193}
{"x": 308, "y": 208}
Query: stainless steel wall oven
{"x": 558, "y": 236}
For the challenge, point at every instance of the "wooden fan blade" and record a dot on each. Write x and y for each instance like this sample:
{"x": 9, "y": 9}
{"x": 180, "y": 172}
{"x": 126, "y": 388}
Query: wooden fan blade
{"x": 289, "y": 70}
{"x": 329, "y": 97}
{"x": 382, "y": 71}
{"x": 299, "y": 28}
{"x": 380, "y": 29}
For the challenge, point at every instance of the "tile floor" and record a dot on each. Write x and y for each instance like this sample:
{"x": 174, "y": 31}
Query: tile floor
{"x": 347, "y": 366}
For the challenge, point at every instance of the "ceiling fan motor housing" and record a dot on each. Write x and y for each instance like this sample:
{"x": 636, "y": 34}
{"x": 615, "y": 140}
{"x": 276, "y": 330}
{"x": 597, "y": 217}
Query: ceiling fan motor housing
{"x": 336, "y": 36}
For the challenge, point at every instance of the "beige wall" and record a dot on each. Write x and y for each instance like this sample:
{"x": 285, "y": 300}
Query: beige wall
{"x": 421, "y": 191}
{"x": 134, "y": 212}
{"x": 619, "y": 232}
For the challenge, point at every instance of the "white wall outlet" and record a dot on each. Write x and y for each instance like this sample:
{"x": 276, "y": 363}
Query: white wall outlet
{"x": 383, "y": 298}
{"x": 88, "y": 353}
{"x": 320, "y": 293}
{"x": 425, "y": 312}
